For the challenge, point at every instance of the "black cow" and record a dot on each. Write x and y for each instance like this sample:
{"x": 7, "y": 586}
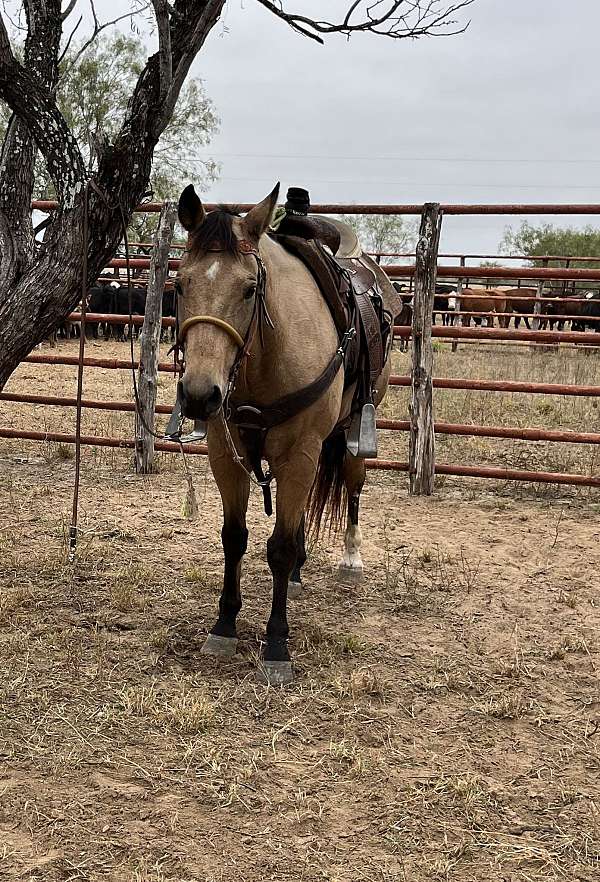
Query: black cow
{"x": 121, "y": 304}
{"x": 168, "y": 310}
{"x": 99, "y": 301}
{"x": 443, "y": 293}
{"x": 404, "y": 318}
{"x": 590, "y": 313}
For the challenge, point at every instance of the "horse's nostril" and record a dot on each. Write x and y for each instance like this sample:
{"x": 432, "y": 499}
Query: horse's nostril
{"x": 199, "y": 404}
{"x": 214, "y": 400}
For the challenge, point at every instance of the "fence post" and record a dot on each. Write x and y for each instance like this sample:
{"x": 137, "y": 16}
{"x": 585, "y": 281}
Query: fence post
{"x": 537, "y": 306}
{"x": 421, "y": 459}
{"x": 150, "y": 339}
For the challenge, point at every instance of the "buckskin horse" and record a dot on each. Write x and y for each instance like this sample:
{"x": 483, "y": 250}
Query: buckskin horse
{"x": 259, "y": 338}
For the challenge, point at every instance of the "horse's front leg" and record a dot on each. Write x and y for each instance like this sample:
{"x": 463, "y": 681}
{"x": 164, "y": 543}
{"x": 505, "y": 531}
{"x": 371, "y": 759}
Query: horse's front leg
{"x": 295, "y": 583}
{"x": 234, "y": 487}
{"x": 294, "y": 481}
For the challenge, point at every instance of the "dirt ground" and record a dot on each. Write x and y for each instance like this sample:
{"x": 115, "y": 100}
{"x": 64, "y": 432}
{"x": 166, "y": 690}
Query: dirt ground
{"x": 444, "y": 723}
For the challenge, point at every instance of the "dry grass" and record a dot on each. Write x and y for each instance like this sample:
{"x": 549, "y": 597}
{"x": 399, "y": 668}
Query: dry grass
{"x": 443, "y": 724}
{"x": 499, "y": 362}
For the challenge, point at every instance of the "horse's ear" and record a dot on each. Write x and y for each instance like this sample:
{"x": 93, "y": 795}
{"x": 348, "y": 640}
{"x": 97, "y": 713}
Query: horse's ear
{"x": 258, "y": 218}
{"x": 190, "y": 209}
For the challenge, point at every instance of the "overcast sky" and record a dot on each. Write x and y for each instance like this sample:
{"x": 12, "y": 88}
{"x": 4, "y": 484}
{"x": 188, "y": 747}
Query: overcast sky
{"x": 507, "y": 112}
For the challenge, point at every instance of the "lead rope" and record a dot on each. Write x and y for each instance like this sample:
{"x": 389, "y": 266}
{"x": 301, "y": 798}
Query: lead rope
{"x": 75, "y": 511}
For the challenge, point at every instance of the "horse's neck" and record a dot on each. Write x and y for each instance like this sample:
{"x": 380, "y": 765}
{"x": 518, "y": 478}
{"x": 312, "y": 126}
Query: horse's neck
{"x": 303, "y": 338}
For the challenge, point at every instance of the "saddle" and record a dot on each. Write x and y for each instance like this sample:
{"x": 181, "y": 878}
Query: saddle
{"x": 331, "y": 252}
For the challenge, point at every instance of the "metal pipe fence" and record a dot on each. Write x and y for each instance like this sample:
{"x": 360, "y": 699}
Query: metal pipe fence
{"x": 465, "y": 334}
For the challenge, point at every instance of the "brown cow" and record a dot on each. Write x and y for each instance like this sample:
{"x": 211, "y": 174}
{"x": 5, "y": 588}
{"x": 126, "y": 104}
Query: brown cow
{"x": 483, "y": 300}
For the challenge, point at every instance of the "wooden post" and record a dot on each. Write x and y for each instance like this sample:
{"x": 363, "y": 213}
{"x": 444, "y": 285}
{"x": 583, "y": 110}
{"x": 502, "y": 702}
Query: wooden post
{"x": 150, "y": 339}
{"x": 537, "y": 306}
{"x": 421, "y": 457}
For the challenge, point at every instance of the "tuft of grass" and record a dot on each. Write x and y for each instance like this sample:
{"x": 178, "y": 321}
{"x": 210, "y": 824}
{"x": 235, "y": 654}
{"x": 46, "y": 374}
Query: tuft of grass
{"x": 64, "y": 452}
{"x": 568, "y": 643}
{"x": 361, "y": 682}
{"x": 189, "y": 713}
{"x": 507, "y": 706}
{"x": 186, "y": 711}
{"x": 126, "y": 587}
{"x": 13, "y": 600}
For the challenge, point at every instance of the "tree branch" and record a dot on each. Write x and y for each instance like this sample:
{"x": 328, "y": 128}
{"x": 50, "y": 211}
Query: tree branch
{"x": 36, "y": 107}
{"x": 186, "y": 47}
{"x": 397, "y": 19}
{"x": 97, "y": 29}
{"x": 68, "y": 10}
{"x": 161, "y": 11}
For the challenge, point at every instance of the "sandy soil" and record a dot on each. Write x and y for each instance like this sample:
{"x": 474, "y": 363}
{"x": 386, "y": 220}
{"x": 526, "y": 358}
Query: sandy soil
{"x": 444, "y": 723}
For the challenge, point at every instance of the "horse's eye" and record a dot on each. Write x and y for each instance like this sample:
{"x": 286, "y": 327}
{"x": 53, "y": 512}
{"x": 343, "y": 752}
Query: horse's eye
{"x": 250, "y": 292}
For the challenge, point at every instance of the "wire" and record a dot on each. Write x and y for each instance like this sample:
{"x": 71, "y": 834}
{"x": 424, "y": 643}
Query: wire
{"x": 200, "y": 157}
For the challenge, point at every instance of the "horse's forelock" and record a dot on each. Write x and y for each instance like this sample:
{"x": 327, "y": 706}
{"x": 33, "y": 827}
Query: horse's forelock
{"x": 216, "y": 232}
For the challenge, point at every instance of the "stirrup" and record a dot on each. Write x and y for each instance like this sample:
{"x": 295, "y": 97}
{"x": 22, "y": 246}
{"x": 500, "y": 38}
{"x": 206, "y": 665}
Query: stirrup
{"x": 362, "y": 434}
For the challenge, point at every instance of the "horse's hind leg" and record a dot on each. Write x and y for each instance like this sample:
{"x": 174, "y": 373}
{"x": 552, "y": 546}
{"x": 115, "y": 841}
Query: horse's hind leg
{"x": 295, "y": 583}
{"x": 234, "y": 487}
{"x": 351, "y": 566}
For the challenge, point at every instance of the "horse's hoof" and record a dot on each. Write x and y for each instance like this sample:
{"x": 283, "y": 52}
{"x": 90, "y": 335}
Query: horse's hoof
{"x": 223, "y": 647}
{"x": 349, "y": 575}
{"x": 295, "y": 590}
{"x": 276, "y": 673}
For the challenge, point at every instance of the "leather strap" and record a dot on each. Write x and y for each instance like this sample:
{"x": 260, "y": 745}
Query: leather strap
{"x": 265, "y": 417}
{"x": 372, "y": 335}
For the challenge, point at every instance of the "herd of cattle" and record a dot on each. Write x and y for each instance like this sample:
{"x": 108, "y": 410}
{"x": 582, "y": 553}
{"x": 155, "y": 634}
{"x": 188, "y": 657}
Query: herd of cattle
{"x": 483, "y": 305}
{"x": 475, "y": 304}
{"x": 111, "y": 298}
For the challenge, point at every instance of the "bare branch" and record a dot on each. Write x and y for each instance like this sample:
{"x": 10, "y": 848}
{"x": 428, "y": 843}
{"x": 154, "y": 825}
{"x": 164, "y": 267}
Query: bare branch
{"x": 97, "y": 29}
{"x": 397, "y": 19}
{"x": 68, "y": 43}
{"x": 36, "y": 107}
{"x": 161, "y": 11}
{"x": 193, "y": 43}
{"x": 68, "y": 10}
{"x": 5, "y": 47}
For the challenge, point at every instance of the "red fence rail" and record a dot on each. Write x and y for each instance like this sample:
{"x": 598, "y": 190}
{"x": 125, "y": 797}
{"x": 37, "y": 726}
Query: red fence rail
{"x": 452, "y": 333}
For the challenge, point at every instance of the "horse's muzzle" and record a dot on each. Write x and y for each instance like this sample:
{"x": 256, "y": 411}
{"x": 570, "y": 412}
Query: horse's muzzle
{"x": 199, "y": 404}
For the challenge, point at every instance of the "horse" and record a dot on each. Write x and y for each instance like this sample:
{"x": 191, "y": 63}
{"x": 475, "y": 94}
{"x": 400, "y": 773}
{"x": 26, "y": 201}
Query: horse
{"x": 256, "y": 330}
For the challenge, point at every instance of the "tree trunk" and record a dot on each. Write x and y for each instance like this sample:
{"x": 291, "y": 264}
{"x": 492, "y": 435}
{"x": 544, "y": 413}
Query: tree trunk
{"x": 38, "y": 289}
{"x": 422, "y": 439}
{"x": 150, "y": 340}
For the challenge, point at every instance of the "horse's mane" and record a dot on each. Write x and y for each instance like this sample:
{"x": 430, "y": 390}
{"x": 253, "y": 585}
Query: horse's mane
{"x": 216, "y": 232}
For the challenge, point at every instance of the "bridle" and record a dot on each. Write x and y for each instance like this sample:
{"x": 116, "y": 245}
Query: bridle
{"x": 260, "y": 316}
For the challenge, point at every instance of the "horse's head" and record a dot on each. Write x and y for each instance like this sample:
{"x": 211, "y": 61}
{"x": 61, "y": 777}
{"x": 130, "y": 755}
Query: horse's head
{"x": 217, "y": 290}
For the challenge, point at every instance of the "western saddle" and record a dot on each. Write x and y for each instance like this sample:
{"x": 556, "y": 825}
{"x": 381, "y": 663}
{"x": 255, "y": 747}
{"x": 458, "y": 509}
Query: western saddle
{"x": 331, "y": 251}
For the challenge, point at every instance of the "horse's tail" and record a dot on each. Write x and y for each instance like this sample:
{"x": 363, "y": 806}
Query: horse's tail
{"x": 328, "y": 490}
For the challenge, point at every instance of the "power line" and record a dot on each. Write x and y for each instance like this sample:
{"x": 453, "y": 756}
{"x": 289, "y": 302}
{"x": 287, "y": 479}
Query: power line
{"x": 462, "y": 186}
{"x": 200, "y": 157}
